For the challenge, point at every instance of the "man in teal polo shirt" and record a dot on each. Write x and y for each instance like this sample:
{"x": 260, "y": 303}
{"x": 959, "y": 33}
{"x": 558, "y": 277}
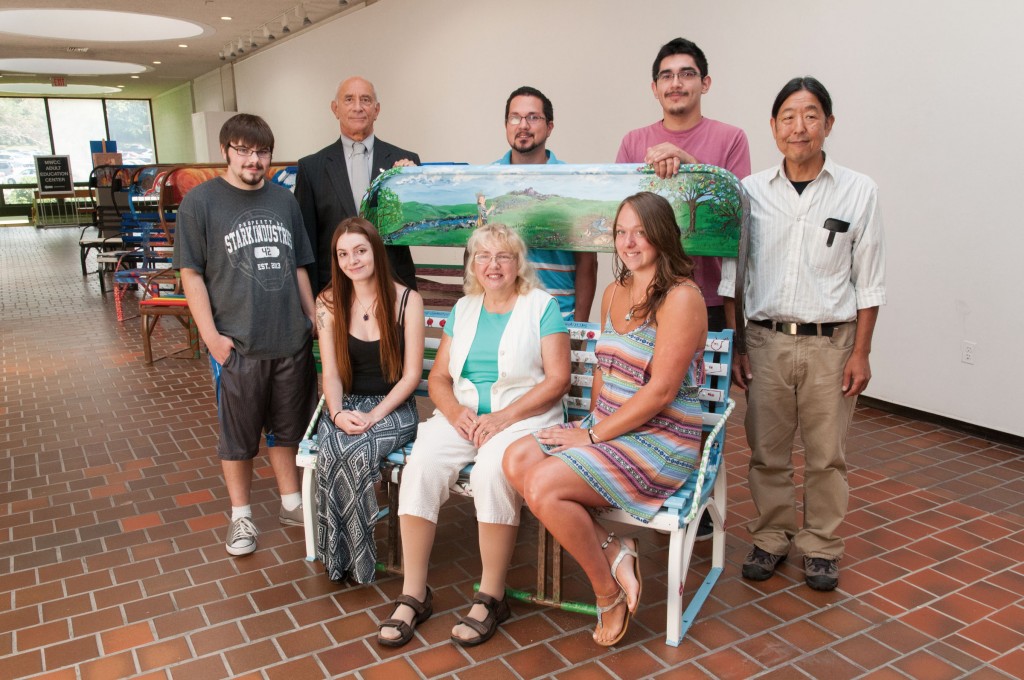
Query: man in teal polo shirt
{"x": 570, "y": 277}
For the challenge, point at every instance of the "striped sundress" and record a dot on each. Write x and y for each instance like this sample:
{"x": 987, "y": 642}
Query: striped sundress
{"x": 639, "y": 470}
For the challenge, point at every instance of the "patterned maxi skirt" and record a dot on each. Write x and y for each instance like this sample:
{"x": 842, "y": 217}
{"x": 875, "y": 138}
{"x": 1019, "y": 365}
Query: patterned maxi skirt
{"x": 347, "y": 469}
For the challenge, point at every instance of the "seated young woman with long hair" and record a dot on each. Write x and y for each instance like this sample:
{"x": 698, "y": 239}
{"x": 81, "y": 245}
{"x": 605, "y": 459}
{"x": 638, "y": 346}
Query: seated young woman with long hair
{"x": 371, "y": 346}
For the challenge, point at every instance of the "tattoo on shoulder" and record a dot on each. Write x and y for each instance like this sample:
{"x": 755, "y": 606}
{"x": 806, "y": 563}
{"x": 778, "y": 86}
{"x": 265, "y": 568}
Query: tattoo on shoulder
{"x": 321, "y": 314}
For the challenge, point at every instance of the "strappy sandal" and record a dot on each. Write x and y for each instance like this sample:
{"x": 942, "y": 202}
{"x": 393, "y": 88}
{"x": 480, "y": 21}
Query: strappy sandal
{"x": 624, "y": 552}
{"x": 498, "y": 612}
{"x": 423, "y": 611}
{"x": 603, "y": 610}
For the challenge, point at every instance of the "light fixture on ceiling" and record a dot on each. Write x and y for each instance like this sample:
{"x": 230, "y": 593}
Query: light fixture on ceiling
{"x": 157, "y": 62}
{"x": 342, "y": 3}
{"x": 241, "y": 47}
{"x": 284, "y": 24}
{"x": 221, "y": 55}
{"x": 267, "y": 35}
{"x": 252, "y": 43}
{"x": 182, "y": 45}
{"x": 300, "y": 12}
{"x": 225, "y": 18}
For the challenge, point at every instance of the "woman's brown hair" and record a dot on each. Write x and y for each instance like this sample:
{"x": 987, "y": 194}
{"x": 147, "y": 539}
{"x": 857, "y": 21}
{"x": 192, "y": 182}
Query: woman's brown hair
{"x": 662, "y": 232}
{"x": 341, "y": 289}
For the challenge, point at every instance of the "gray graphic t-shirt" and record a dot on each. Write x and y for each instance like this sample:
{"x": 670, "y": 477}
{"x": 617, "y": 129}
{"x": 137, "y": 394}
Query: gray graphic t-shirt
{"x": 248, "y": 246}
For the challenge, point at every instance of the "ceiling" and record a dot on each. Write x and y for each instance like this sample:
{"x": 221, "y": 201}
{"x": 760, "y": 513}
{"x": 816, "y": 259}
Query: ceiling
{"x": 177, "y": 64}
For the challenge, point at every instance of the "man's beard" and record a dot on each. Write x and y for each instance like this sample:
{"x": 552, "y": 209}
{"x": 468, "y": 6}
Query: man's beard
{"x": 533, "y": 145}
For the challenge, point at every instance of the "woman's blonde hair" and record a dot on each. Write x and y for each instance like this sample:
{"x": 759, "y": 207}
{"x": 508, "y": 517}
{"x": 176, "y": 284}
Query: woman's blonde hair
{"x": 498, "y": 238}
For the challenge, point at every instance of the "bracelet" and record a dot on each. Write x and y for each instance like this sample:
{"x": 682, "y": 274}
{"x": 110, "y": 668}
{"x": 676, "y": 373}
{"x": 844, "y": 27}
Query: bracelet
{"x": 594, "y": 439}
{"x": 334, "y": 417}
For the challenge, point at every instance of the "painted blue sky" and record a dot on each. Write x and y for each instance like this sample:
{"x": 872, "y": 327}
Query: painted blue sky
{"x": 452, "y": 184}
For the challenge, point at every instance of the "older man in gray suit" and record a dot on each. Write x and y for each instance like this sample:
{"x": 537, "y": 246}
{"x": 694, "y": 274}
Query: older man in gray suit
{"x": 331, "y": 182}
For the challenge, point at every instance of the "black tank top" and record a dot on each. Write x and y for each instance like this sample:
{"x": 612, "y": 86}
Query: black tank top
{"x": 367, "y": 373}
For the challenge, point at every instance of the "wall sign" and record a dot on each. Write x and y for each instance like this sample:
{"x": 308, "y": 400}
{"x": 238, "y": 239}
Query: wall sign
{"x": 54, "y": 173}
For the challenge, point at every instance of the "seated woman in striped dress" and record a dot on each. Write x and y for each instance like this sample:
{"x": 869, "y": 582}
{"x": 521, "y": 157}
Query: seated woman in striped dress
{"x": 642, "y": 439}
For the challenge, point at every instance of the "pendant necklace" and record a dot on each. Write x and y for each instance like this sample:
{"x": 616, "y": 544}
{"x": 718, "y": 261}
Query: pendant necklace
{"x": 629, "y": 314}
{"x": 366, "y": 312}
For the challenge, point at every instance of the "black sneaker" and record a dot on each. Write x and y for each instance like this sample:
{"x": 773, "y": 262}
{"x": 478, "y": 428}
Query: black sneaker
{"x": 706, "y": 527}
{"x": 820, "y": 573}
{"x": 761, "y": 564}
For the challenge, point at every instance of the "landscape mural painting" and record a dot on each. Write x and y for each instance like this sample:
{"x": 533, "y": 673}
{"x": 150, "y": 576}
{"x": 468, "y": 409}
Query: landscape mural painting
{"x": 570, "y": 207}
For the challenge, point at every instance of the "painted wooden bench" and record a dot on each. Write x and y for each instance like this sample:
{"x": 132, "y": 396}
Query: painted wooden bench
{"x": 706, "y": 488}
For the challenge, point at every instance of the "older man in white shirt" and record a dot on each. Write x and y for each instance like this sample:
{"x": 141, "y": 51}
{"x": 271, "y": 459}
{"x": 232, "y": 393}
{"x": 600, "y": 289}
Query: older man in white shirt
{"x": 813, "y": 285}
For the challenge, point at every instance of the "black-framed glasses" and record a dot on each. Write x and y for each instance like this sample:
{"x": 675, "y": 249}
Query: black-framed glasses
{"x": 531, "y": 120}
{"x": 246, "y": 152}
{"x": 667, "y": 77}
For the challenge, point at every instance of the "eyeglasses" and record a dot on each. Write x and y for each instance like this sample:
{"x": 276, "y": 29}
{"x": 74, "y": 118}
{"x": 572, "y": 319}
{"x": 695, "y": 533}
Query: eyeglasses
{"x": 246, "y": 152}
{"x": 667, "y": 77}
{"x": 531, "y": 120}
{"x": 500, "y": 258}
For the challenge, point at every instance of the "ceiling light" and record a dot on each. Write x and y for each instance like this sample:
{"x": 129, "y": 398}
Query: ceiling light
{"x": 157, "y": 62}
{"x": 91, "y": 24}
{"x": 77, "y": 67}
{"x": 182, "y": 45}
{"x": 268, "y": 35}
{"x": 241, "y": 47}
{"x": 284, "y": 24}
{"x": 225, "y": 18}
{"x": 136, "y": 77}
{"x": 300, "y": 12}
{"x": 46, "y": 88}
{"x": 221, "y": 55}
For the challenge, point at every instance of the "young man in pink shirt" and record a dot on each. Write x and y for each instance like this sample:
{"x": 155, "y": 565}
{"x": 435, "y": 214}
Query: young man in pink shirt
{"x": 684, "y": 136}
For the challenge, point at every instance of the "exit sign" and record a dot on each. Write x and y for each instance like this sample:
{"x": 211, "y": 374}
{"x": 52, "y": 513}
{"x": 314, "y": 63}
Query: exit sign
{"x": 59, "y": 81}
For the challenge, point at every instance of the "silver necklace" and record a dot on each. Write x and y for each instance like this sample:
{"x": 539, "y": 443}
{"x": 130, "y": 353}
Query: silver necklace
{"x": 366, "y": 312}
{"x": 629, "y": 314}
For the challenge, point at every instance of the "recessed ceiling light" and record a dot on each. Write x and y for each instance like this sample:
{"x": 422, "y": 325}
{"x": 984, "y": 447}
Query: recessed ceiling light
{"x": 225, "y": 18}
{"x": 134, "y": 76}
{"x": 90, "y": 24}
{"x": 78, "y": 67}
{"x": 46, "y": 88}
{"x": 158, "y": 62}
{"x": 182, "y": 45}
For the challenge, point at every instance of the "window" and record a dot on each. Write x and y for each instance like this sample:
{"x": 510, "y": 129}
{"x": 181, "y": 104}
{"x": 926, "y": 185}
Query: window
{"x": 130, "y": 125}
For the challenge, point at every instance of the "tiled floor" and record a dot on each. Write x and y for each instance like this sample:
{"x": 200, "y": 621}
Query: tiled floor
{"x": 112, "y": 515}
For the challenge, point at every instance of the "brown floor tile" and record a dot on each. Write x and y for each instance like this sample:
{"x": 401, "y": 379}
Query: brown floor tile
{"x": 305, "y": 668}
{"x": 126, "y": 638}
{"x": 109, "y": 667}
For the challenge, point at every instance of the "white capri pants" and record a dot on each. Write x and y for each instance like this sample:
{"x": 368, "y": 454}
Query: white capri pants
{"x": 438, "y": 455}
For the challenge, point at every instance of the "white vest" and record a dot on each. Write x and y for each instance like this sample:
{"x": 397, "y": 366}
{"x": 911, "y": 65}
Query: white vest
{"x": 520, "y": 365}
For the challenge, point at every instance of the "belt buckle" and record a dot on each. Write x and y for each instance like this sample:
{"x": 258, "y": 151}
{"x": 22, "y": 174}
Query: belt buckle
{"x": 786, "y": 327}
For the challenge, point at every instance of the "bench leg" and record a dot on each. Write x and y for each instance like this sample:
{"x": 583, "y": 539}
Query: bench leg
{"x": 309, "y": 512}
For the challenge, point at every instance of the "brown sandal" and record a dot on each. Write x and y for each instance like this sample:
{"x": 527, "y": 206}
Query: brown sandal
{"x": 621, "y": 599}
{"x": 498, "y": 612}
{"x": 423, "y": 611}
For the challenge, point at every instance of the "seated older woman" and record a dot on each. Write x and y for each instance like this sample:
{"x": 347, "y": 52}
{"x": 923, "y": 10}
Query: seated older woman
{"x": 641, "y": 441}
{"x": 500, "y": 373}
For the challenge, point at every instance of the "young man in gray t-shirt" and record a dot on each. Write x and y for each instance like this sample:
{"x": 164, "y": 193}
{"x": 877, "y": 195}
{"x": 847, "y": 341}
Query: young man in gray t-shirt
{"x": 241, "y": 248}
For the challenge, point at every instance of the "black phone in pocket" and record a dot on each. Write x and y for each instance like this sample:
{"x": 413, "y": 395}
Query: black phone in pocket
{"x": 834, "y": 226}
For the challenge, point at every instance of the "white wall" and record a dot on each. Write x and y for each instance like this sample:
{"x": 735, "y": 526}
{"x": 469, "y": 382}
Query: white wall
{"x": 927, "y": 103}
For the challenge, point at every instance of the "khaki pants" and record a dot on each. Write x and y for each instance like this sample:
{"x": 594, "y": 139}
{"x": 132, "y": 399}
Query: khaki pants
{"x": 797, "y": 383}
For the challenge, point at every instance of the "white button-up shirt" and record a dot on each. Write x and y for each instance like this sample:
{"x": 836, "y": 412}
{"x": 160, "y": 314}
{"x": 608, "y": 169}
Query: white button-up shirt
{"x": 792, "y": 274}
